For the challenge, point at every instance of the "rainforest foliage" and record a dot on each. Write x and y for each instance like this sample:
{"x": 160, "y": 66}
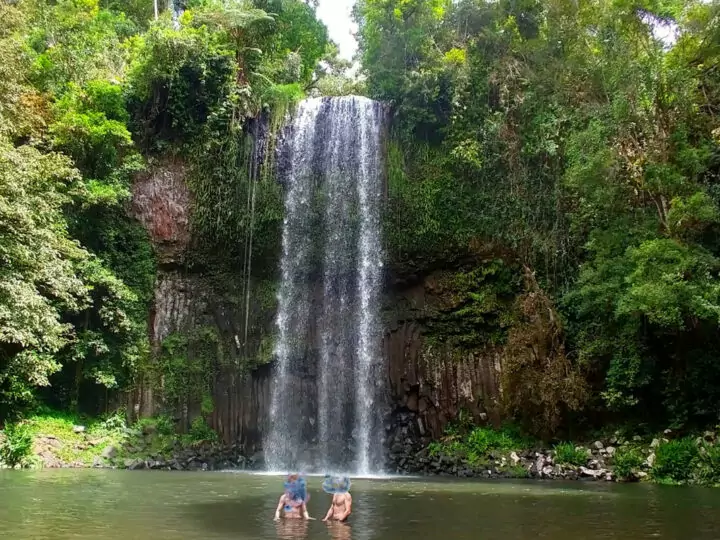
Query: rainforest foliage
{"x": 93, "y": 92}
{"x": 558, "y": 160}
{"x": 578, "y": 141}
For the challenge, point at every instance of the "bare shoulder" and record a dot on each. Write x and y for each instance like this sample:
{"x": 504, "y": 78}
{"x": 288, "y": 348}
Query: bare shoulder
{"x": 348, "y": 497}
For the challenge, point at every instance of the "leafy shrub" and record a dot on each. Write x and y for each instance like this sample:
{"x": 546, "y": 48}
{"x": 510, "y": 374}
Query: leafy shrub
{"x": 568, "y": 454}
{"x": 200, "y": 431}
{"x": 435, "y": 449}
{"x": 113, "y": 422}
{"x": 675, "y": 460}
{"x": 483, "y": 440}
{"x": 627, "y": 461}
{"x": 165, "y": 425}
{"x": 16, "y": 447}
{"x": 708, "y": 465}
{"x": 516, "y": 471}
{"x": 478, "y": 443}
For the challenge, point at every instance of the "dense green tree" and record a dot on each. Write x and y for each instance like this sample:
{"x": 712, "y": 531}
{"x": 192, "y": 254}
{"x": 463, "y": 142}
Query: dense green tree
{"x": 581, "y": 137}
{"x": 89, "y": 89}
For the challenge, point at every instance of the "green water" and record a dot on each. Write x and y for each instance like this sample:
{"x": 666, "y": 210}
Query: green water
{"x": 143, "y": 505}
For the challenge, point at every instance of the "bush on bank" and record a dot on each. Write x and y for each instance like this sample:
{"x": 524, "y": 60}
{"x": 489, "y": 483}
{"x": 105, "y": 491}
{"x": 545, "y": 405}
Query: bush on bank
{"x": 483, "y": 451}
{"x": 58, "y": 439}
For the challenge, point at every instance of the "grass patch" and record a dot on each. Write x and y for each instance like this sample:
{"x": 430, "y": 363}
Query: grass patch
{"x": 568, "y": 454}
{"x": 675, "y": 460}
{"x": 627, "y": 462}
{"x": 478, "y": 444}
{"x": 515, "y": 471}
{"x": 73, "y": 446}
{"x": 64, "y": 438}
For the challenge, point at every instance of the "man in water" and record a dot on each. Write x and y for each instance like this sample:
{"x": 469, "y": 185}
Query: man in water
{"x": 341, "y": 504}
{"x": 293, "y": 503}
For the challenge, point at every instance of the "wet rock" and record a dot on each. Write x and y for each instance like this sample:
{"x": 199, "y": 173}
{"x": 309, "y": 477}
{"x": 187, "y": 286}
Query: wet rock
{"x": 584, "y": 471}
{"x": 109, "y": 453}
{"x": 258, "y": 458}
{"x": 547, "y": 471}
{"x": 134, "y": 464}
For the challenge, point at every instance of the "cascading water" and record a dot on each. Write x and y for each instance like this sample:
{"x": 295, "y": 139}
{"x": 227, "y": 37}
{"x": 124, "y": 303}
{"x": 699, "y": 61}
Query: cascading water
{"x": 327, "y": 389}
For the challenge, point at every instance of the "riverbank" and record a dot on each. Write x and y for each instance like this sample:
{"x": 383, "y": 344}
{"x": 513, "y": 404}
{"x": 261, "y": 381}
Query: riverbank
{"x": 57, "y": 440}
{"x": 61, "y": 441}
{"x": 471, "y": 452}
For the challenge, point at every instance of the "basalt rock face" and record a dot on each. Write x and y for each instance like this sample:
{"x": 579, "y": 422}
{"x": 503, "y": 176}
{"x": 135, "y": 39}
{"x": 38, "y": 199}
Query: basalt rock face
{"x": 204, "y": 312}
{"x": 431, "y": 382}
{"x": 161, "y": 202}
{"x": 428, "y": 380}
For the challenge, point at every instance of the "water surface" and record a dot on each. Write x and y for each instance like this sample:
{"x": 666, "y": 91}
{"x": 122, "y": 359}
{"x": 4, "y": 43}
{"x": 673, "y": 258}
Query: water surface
{"x": 144, "y": 505}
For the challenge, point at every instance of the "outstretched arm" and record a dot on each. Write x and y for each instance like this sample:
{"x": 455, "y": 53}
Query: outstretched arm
{"x": 305, "y": 512}
{"x": 279, "y": 507}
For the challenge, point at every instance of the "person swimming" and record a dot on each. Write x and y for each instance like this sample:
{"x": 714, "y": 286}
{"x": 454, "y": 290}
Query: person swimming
{"x": 341, "y": 504}
{"x": 293, "y": 502}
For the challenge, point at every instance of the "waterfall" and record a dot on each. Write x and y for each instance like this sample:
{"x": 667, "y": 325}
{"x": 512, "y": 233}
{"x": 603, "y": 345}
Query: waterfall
{"x": 328, "y": 384}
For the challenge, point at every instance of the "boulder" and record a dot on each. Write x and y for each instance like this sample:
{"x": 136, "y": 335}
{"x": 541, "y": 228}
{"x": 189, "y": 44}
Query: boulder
{"x": 50, "y": 442}
{"x": 655, "y": 443}
{"x": 650, "y": 460}
{"x": 584, "y": 471}
{"x": 610, "y": 451}
{"x": 598, "y": 445}
{"x": 514, "y": 458}
{"x": 109, "y": 452}
{"x": 78, "y": 429}
{"x": 134, "y": 464}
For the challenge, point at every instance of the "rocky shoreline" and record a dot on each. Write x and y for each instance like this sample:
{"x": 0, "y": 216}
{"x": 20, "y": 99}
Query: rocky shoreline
{"x": 144, "y": 448}
{"x": 539, "y": 464}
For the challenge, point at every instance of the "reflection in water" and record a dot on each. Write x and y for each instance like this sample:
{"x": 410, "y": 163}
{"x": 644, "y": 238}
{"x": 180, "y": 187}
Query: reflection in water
{"x": 291, "y": 529}
{"x": 339, "y": 531}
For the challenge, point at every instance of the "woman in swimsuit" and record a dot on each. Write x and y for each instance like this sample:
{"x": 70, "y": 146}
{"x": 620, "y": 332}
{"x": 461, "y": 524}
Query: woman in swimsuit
{"x": 293, "y": 503}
